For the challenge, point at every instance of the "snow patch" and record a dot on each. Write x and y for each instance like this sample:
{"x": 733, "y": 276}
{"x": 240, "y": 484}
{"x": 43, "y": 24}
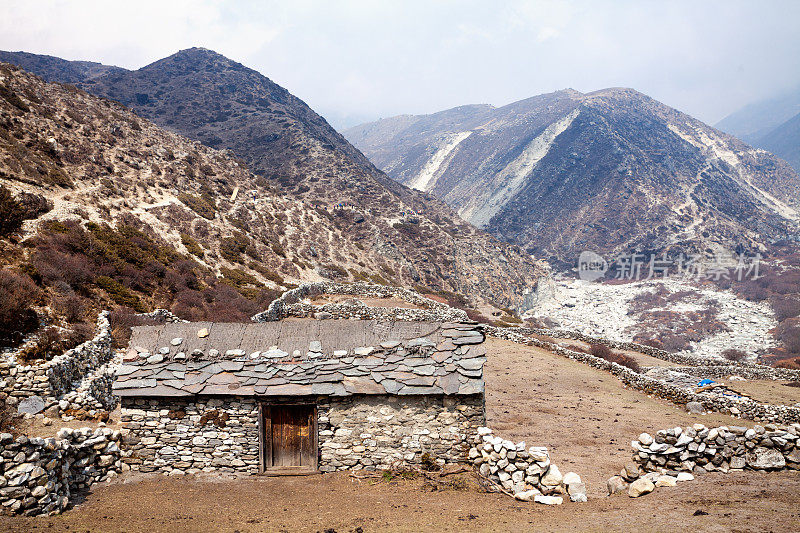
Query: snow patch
{"x": 508, "y": 182}
{"x": 424, "y": 181}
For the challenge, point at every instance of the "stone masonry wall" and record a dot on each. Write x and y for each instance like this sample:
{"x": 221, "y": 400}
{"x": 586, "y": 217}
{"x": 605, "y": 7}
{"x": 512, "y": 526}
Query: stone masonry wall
{"x": 679, "y": 454}
{"x": 698, "y": 449}
{"x": 176, "y": 436}
{"x": 377, "y": 432}
{"x": 51, "y": 379}
{"x": 39, "y": 476}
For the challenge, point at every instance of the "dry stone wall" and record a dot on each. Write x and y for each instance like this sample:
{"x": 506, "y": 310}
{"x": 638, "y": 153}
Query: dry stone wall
{"x": 180, "y": 436}
{"x": 716, "y": 367}
{"x": 50, "y": 380}
{"x": 679, "y": 454}
{"x": 290, "y": 304}
{"x": 698, "y": 449}
{"x": 40, "y": 476}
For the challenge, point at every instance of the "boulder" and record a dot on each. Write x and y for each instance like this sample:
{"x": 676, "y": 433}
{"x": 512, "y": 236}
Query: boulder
{"x": 31, "y": 405}
{"x": 570, "y": 478}
{"x": 630, "y": 472}
{"x": 684, "y": 476}
{"x": 553, "y": 477}
{"x": 577, "y": 492}
{"x": 666, "y": 481}
{"x": 527, "y": 495}
{"x": 695, "y": 408}
{"x": 548, "y": 500}
{"x": 765, "y": 459}
{"x": 616, "y": 485}
{"x": 641, "y": 487}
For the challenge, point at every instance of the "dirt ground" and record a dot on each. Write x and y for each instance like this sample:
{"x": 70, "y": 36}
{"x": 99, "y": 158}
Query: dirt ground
{"x": 583, "y": 415}
{"x": 734, "y": 502}
{"x": 323, "y": 299}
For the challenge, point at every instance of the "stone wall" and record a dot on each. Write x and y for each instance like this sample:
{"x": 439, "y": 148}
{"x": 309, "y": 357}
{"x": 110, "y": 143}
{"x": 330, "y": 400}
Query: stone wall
{"x": 526, "y": 473}
{"x": 51, "y": 379}
{"x": 378, "y": 432}
{"x": 739, "y": 407}
{"x": 680, "y": 454}
{"x": 176, "y": 436}
{"x": 698, "y": 449}
{"x": 290, "y": 304}
{"x": 39, "y": 476}
{"x": 721, "y": 367}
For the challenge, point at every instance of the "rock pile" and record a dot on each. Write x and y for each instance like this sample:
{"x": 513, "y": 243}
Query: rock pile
{"x": 528, "y": 473}
{"x": 679, "y": 454}
{"x": 40, "y": 475}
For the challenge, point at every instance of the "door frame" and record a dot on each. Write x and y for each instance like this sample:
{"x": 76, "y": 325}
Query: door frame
{"x": 265, "y": 438}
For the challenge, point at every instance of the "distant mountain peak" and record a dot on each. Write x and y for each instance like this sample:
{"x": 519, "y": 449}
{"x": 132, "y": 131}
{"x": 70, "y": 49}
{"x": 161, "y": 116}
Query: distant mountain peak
{"x": 613, "y": 171}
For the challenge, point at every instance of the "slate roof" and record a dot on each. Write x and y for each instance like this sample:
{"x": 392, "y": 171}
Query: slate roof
{"x": 303, "y": 358}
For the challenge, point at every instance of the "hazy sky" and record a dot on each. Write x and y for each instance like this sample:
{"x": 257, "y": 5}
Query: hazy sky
{"x": 359, "y": 60}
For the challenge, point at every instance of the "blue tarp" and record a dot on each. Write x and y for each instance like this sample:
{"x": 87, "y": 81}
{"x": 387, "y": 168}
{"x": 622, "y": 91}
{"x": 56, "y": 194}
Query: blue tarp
{"x": 704, "y": 382}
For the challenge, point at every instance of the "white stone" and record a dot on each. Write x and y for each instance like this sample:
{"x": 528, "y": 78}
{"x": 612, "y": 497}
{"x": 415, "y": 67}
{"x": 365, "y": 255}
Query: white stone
{"x": 684, "y": 476}
{"x": 646, "y": 439}
{"x": 548, "y": 500}
{"x": 570, "y": 478}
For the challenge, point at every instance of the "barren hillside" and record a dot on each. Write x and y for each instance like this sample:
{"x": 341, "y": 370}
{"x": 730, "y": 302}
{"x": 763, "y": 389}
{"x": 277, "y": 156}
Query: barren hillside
{"x": 119, "y": 210}
{"x": 612, "y": 171}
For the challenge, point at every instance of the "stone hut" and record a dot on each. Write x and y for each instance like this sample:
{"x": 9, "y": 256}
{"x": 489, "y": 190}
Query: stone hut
{"x": 300, "y": 396}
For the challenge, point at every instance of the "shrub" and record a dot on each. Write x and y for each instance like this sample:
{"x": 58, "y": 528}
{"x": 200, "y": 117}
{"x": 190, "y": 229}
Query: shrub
{"x": 732, "y": 354}
{"x": 11, "y": 213}
{"x": 203, "y": 206}
{"x": 192, "y": 245}
{"x": 119, "y": 293}
{"x": 604, "y": 352}
{"x": 52, "y": 342}
{"x": 18, "y": 294}
{"x": 476, "y": 315}
{"x": 233, "y": 248}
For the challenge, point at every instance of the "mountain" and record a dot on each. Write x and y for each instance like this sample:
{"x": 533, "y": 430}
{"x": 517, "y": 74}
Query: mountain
{"x": 772, "y": 124}
{"x": 756, "y": 120}
{"x": 612, "y": 171}
{"x": 317, "y": 209}
{"x": 55, "y": 69}
{"x": 784, "y": 141}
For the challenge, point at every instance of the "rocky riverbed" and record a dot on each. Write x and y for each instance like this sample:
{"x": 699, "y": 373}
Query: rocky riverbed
{"x": 611, "y": 311}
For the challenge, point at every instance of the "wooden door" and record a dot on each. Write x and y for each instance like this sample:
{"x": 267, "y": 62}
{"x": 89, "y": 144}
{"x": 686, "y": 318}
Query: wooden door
{"x": 289, "y": 438}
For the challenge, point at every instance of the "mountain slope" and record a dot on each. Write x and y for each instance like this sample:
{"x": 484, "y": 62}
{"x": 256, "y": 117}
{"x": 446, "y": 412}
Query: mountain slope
{"x": 784, "y": 141}
{"x": 55, "y": 69}
{"x": 612, "y": 171}
{"x": 756, "y": 120}
{"x": 302, "y": 230}
{"x": 772, "y": 124}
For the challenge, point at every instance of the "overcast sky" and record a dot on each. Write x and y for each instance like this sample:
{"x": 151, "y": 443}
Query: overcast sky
{"x": 360, "y": 60}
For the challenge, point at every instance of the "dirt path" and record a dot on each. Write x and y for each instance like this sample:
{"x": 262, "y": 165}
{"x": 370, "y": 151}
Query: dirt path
{"x": 734, "y": 502}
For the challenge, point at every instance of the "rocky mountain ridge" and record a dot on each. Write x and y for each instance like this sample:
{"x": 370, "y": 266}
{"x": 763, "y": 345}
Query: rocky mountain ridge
{"x": 340, "y": 218}
{"x": 612, "y": 171}
{"x": 128, "y": 214}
